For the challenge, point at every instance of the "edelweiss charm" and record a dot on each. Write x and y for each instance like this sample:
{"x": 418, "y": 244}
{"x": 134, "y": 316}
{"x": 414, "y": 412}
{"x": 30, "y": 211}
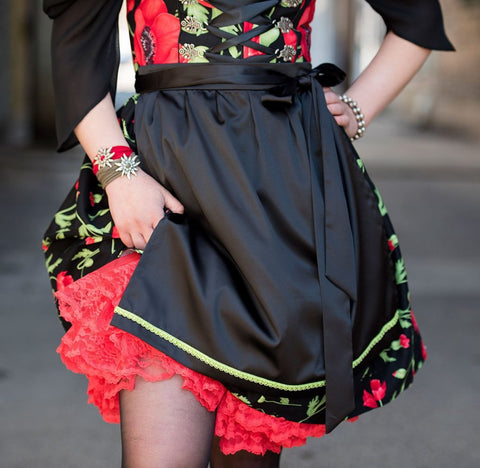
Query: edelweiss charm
{"x": 128, "y": 165}
{"x": 287, "y": 53}
{"x": 188, "y": 51}
{"x": 103, "y": 158}
{"x": 284, "y": 24}
{"x": 191, "y": 24}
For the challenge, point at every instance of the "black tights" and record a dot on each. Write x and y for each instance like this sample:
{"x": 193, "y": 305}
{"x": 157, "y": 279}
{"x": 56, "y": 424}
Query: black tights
{"x": 242, "y": 459}
{"x": 165, "y": 426}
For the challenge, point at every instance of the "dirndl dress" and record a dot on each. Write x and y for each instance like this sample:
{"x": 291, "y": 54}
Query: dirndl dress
{"x": 280, "y": 296}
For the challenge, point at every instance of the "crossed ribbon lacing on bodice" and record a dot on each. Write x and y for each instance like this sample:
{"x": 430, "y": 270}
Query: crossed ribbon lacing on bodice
{"x": 256, "y": 13}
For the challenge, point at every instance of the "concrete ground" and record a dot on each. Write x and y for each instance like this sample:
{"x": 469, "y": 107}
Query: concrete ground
{"x": 430, "y": 182}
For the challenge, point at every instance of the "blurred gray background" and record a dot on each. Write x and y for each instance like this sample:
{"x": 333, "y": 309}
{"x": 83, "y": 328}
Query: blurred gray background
{"x": 424, "y": 155}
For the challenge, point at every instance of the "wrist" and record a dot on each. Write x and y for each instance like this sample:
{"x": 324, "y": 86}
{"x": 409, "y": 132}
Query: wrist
{"x": 358, "y": 115}
{"x": 115, "y": 162}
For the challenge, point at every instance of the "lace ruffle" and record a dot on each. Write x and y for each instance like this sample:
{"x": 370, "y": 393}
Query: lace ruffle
{"x": 111, "y": 359}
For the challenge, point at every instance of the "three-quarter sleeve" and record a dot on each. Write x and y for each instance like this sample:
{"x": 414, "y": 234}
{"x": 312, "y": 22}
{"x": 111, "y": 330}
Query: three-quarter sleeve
{"x": 85, "y": 58}
{"x": 417, "y": 21}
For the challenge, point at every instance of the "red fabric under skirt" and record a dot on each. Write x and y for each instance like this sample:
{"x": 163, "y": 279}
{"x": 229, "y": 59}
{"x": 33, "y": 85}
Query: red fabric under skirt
{"x": 111, "y": 359}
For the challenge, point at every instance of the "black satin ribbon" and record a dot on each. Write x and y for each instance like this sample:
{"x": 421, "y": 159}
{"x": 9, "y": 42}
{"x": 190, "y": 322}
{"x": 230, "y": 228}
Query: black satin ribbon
{"x": 339, "y": 286}
{"x": 338, "y": 280}
{"x": 335, "y": 243}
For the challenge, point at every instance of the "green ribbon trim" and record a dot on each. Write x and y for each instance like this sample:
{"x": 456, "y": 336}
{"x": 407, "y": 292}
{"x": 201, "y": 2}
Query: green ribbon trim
{"x": 245, "y": 375}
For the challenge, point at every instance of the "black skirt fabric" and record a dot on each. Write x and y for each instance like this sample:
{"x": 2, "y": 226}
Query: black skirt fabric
{"x": 283, "y": 279}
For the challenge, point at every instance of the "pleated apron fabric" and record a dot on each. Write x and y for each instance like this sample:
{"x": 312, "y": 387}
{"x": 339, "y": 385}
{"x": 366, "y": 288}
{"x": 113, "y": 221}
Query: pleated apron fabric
{"x": 278, "y": 280}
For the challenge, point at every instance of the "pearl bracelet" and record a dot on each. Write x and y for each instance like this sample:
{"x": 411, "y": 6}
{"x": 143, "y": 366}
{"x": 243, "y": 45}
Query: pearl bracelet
{"x": 358, "y": 116}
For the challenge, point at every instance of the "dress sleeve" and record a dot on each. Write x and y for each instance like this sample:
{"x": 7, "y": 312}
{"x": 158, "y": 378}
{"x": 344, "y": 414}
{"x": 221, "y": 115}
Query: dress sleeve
{"x": 85, "y": 58}
{"x": 417, "y": 21}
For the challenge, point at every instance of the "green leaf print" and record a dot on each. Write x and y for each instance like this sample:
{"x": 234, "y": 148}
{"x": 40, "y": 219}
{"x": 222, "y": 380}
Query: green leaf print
{"x": 216, "y": 12}
{"x": 395, "y": 345}
{"x": 87, "y": 258}
{"x": 283, "y": 401}
{"x": 89, "y": 230}
{"x": 269, "y": 37}
{"x": 315, "y": 406}
{"x": 234, "y": 52}
{"x": 405, "y": 318}
{"x": 242, "y": 398}
{"x": 231, "y": 28}
{"x": 197, "y": 11}
{"x": 51, "y": 267}
{"x": 400, "y": 373}
{"x": 400, "y": 271}
{"x": 394, "y": 240}
{"x": 381, "y": 205}
{"x": 386, "y": 358}
{"x": 361, "y": 164}
{"x": 99, "y": 214}
{"x": 63, "y": 219}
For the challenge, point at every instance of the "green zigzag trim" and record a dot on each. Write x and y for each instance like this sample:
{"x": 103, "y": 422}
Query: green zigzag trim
{"x": 240, "y": 374}
{"x": 385, "y": 329}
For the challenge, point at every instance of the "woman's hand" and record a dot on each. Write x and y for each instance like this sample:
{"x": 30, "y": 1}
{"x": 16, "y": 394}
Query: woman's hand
{"x": 391, "y": 69}
{"x": 342, "y": 113}
{"x": 137, "y": 205}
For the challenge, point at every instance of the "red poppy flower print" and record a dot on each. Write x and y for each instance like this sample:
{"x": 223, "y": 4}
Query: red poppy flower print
{"x": 305, "y": 29}
{"x": 115, "y": 233}
{"x": 205, "y": 4}
{"x": 368, "y": 400}
{"x": 156, "y": 34}
{"x": 248, "y": 51}
{"x": 378, "y": 390}
{"x": 414, "y": 322}
{"x": 424, "y": 352}
{"x": 404, "y": 341}
{"x": 63, "y": 280}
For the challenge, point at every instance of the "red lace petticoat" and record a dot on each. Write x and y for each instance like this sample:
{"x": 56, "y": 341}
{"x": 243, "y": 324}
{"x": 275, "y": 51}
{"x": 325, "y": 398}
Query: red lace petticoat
{"x": 111, "y": 358}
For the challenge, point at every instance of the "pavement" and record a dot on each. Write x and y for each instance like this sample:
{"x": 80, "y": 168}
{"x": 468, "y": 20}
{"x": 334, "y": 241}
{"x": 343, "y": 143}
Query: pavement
{"x": 430, "y": 183}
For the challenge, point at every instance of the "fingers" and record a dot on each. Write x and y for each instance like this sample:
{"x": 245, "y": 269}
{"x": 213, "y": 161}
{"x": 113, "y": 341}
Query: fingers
{"x": 135, "y": 238}
{"x": 137, "y": 206}
{"x": 335, "y": 106}
{"x": 331, "y": 97}
{"x": 126, "y": 238}
{"x": 342, "y": 120}
{"x": 341, "y": 112}
{"x": 172, "y": 203}
{"x": 139, "y": 242}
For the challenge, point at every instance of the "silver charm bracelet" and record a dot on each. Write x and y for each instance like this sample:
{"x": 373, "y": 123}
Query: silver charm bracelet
{"x": 358, "y": 116}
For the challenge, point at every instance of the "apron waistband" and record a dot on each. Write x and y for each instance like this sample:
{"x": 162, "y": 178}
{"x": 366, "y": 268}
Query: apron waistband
{"x": 233, "y": 76}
